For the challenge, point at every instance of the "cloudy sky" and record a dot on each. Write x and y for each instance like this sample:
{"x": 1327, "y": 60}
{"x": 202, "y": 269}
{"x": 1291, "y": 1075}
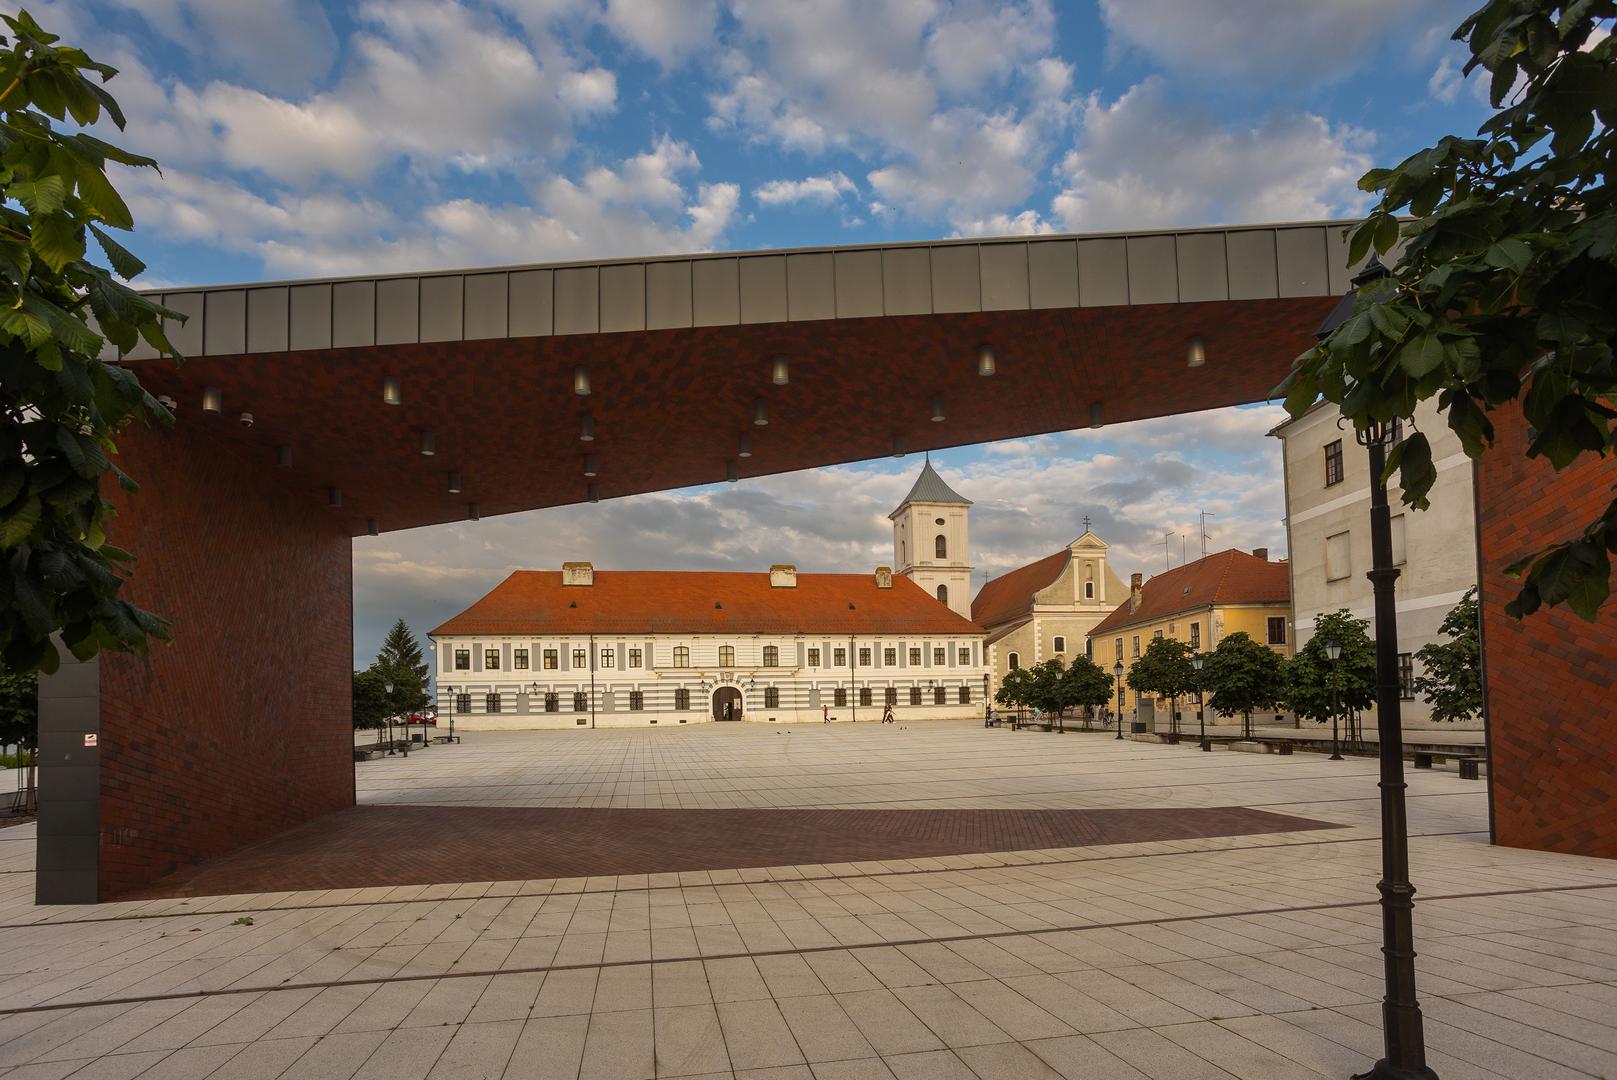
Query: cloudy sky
{"x": 310, "y": 137}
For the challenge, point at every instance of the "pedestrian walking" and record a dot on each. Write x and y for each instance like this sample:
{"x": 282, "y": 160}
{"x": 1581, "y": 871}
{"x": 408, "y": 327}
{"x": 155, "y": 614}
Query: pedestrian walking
{"x": 825, "y": 710}
{"x": 887, "y": 713}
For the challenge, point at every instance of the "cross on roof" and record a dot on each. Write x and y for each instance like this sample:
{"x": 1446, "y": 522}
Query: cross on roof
{"x": 1086, "y": 523}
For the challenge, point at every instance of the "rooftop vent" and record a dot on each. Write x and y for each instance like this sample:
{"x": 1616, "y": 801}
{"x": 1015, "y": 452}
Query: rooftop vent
{"x": 578, "y": 573}
{"x": 783, "y": 576}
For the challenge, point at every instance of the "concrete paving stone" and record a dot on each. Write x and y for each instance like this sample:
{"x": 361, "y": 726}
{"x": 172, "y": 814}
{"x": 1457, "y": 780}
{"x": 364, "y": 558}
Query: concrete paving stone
{"x": 756, "y": 1035}
{"x": 1014, "y": 1014}
{"x": 822, "y": 1029}
{"x": 619, "y": 1046}
{"x": 735, "y": 979}
{"x": 1006, "y": 1061}
{"x": 852, "y": 1069}
{"x": 335, "y": 1057}
{"x": 929, "y": 1065}
{"x": 478, "y": 1051}
{"x": 266, "y": 1059}
{"x": 1078, "y": 1057}
{"x": 689, "y": 1041}
{"x": 405, "y": 1054}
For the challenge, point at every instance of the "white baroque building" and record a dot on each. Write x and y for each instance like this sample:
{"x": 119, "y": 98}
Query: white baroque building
{"x": 585, "y": 648}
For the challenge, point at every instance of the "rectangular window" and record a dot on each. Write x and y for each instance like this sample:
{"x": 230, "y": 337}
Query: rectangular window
{"x": 889, "y": 657}
{"x": 1136, "y": 644}
{"x": 965, "y": 695}
{"x": 491, "y": 703}
{"x": 864, "y": 695}
{"x": 463, "y": 659}
{"x": 940, "y": 696}
{"x": 915, "y": 696}
{"x": 1338, "y": 557}
{"x": 727, "y": 656}
{"x": 519, "y": 660}
{"x": 580, "y": 658}
{"x": 608, "y": 658}
{"x": 839, "y": 697}
{"x": 915, "y": 657}
{"x": 1406, "y": 676}
{"x": 864, "y": 657}
{"x": 1156, "y": 635}
{"x": 1122, "y": 700}
{"x": 1277, "y": 629}
{"x": 771, "y": 656}
{"x": 682, "y": 656}
{"x": 491, "y": 659}
{"x": 814, "y": 658}
{"x": 581, "y": 701}
{"x": 1195, "y": 635}
{"x": 682, "y": 699}
{"x": 1120, "y": 648}
{"x": 552, "y": 659}
{"x": 1400, "y": 554}
{"x": 634, "y": 657}
{"x": 1061, "y": 644}
{"x": 940, "y": 657}
{"x": 839, "y": 657}
{"x": 463, "y": 703}
{"x": 771, "y": 697}
{"x": 965, "y": 657}
{"x": 637, "y": 701}
{"x": 1089, "y": 647}
{"x": 552, "y": 702}
{"x": 1333, "y": 463}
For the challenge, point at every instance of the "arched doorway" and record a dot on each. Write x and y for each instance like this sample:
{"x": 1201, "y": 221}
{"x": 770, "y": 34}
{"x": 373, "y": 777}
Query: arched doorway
{"x": 727, "y": 695}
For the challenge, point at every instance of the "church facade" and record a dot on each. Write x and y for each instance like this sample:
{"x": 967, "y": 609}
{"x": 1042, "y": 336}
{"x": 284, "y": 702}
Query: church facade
{"x": 582, "y": 647}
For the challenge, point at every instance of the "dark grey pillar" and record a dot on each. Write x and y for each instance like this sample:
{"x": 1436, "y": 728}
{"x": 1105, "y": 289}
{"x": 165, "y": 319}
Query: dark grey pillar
{"x": 68, "y": 859}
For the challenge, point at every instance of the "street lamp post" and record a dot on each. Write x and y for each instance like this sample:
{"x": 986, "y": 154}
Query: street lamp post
{"x": 1333, "y": 649}
{"x": 1201, "y": 716}
{"x": 1401, "y": 1021}
{"x": 387, "y": 701}
{"x": 1117, "y": 672}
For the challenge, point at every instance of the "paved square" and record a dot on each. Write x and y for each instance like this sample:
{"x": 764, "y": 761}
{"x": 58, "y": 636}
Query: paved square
{"x": 1253, "y": 955}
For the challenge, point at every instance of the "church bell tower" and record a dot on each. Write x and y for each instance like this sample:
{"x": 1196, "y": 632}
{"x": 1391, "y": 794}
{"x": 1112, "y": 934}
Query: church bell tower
{"x": 929, "y": 540}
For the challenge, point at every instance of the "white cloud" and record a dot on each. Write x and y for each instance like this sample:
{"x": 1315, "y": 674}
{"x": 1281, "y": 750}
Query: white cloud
{"x": 668, "y": 30}
{"x": 1146, "y": 160}
{"x": 280, "y": 44}
{"x": 825, "y": 189}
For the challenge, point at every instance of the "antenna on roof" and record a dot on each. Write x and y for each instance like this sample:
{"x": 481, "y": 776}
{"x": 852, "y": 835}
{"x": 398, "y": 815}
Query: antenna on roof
{"x": 1167, "y": 559}
{"x": 1202, "y": 528}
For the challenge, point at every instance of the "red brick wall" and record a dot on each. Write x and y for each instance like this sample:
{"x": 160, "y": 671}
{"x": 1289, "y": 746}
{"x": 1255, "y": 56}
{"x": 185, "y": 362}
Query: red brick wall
{"x": 242, "y": 726}
{"x": 1552, "y": 678}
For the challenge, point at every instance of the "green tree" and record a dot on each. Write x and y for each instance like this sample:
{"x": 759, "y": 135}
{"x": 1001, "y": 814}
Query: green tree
{"x": 370, "y": 700}
{"x": 61, "y": 406}
{"x": 1451, "y": 676}
{"x": 19, "y": 725}
{"x": 1311, "y": 677}
{"x": 400, "y": 658}
{"x": 1242, "y": 676}
{"x": 1505, "y": 292}
{"x": 1165, "y": 671}
{"x": 1013, "y": 689}
{"x": 1085, "y": 683}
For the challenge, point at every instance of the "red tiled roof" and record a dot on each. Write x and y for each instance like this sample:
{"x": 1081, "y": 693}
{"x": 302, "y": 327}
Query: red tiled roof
{"x": 1228, "y": 577}
{"x": 695, "y": 602}
{"x": 1010, "y": 595}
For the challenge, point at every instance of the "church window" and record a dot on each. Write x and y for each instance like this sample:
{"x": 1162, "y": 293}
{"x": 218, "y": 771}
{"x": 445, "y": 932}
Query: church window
{"x": 771, "y": 656}
{"x": 915, "y": 658}
{"x": 889, "y": 657}
{"x": 580, "y": 659}
{"x": 727, "y": 656}
{"x": 519, "y": 659}
{"x": 943, "y": 594}
{"x": 771, "y": 697}
{"x": 491, "y": 659}
{"x": 463, "y": 703}
{"x": 839, "y": 657}
{"x": 864, "y": 695}
{"x": 965, "y": 657}
{"x": 915, "y": 696}
{"x": 1061, "y": 644}
{"x": 1120, "y": 648}
{"x": 552, "y": 702}
{"x": 839, "y": 697}
{"x": 1195, "y": 635}
{"x": 682, "y": 656}
{"x": 1089, "y": 590}
{"x": 942, "y": 546}
{"x": 608, "y": 658}
{"x": 551, "y": 659}
{"x": 965, "y": 695}
{"x": 463, "y": 659}
{"x": 491, "y": 703}
{"x": 814, "y": 657}
{"x": 901, "y": 553}
{"x": 1014, "y": 661}
{"x": 634, "y": 657}
{"x": 1089, "y": 648}
{"x": 581, "y": 701}
{"x": 939, "y": 696}
{"x": 682, "y": 699}
{"x": 937, "y": 521}
{"x": 940, "y": 657}
{"x": 637, "y": 701}
{"x": 864, "y": 657}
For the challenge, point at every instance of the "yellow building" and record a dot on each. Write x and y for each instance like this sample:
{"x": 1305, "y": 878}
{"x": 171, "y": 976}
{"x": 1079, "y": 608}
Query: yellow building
{"x": 1199, "y": 603}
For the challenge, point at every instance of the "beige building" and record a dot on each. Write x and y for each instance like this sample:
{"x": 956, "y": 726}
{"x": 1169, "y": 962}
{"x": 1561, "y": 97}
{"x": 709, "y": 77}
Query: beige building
{"x": 1328, "y": 535}
{"x": 930, "y": 538}
{"x": 1045, "y": 610}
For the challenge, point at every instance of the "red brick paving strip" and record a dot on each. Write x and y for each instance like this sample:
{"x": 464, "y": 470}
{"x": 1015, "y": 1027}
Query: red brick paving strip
{"x": 422, "y": 845}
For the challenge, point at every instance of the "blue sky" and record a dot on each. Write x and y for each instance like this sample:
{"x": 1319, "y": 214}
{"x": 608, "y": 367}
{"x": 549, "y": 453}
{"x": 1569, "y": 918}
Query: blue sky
{"x": 303, "y": 138}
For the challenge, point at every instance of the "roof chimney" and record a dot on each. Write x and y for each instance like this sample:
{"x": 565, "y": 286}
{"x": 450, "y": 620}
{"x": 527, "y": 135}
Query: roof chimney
{"x": 783, "y": 576}
{"x": 1136, "y": 586}
{"x": 577, "y": 573}
{"x": 884, "y": 577}
{"x": 1261, "y": 553}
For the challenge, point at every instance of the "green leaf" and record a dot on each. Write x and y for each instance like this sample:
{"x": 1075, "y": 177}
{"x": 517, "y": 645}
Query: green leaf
{"x": 98, "y": 194}
{"x": 58, "y": 240}
{"x": 20, "y": 523}
{"x": 1412, "y": 459}
{"x": 1423, "y": 355}
{"x": 122, "y": 262}
{"x": 1386, "y": 234}
{"x": 1509, "y": 254}
{"x": 42, "y": 196}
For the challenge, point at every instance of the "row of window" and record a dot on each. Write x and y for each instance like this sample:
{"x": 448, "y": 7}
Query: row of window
{"x": 1333, "y": 454}
{"x": 493, "y": 702}
{"x": 682, "y": 658}
{"x": 1275, "y": 626}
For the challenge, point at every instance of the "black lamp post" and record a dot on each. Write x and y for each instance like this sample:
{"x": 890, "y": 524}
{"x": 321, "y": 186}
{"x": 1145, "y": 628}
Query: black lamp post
{"x": 1201, "y": 716}
{"x": 387, "y": 701}
{"x": 1117, "y": 672}
{"x": 1333, "y": 649}
{"x": 1402, "y": 1025}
